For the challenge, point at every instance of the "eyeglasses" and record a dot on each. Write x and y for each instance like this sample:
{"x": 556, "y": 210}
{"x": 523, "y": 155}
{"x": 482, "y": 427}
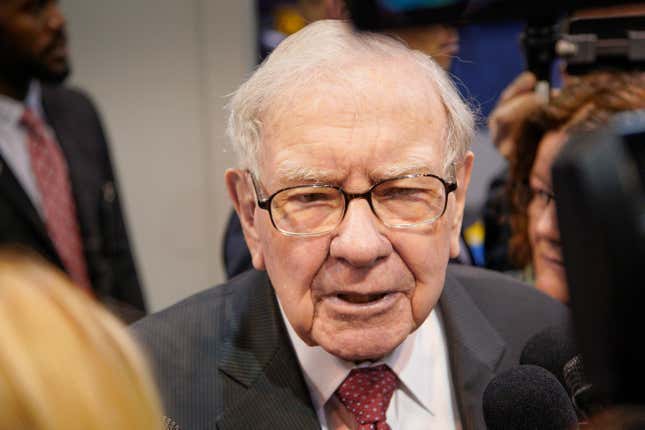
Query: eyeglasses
{"x": 401, "y": 202}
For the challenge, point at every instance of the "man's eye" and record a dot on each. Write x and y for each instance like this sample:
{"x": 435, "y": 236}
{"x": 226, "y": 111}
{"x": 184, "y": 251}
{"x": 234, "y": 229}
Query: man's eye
{"x": 402, "y": 193}
{"x": 311, "y": 197}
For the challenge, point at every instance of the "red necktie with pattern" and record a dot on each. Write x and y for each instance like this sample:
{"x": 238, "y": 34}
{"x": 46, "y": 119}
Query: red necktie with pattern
{"x": 366, "y": 393}
{"x": 59, "y": 209}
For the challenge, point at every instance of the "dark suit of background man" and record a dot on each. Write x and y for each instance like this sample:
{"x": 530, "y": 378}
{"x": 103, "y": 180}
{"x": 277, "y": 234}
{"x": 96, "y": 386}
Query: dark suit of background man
{"x": 58, "y": 193}
{"x": 351, "y": 190}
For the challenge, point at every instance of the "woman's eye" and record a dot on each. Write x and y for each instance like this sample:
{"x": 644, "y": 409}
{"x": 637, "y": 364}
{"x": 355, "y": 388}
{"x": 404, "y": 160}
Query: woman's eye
{"x": 543, "y": 195}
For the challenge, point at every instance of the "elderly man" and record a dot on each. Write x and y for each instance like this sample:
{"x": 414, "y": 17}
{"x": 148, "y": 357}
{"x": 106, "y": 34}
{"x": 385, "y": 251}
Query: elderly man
{"x": 354, "y": 169}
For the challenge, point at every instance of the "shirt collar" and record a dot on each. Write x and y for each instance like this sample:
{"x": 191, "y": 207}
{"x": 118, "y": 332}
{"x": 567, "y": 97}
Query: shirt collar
{"x": 34, "y": 99}
{"x": 11, "y": 110}
{"x": 413, "y": 362}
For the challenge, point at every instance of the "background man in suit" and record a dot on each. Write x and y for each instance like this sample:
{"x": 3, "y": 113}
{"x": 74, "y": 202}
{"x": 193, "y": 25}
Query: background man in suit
{"x": 58, "y": 194}
{"x": 351, "y": 189}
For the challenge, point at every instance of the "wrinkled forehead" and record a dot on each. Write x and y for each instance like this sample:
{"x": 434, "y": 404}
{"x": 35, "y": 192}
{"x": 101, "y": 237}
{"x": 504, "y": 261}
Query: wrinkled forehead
{"x": 366, "y": 84}
{"x": 395, "y": 99}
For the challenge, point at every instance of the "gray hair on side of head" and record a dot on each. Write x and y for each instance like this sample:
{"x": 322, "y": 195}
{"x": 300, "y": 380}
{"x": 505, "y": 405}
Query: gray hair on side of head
{"x": 319, "y": 49}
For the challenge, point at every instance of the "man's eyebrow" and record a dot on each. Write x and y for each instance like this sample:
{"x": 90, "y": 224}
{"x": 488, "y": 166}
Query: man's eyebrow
{"x": 401, "y": 169}
{"x": 291, "y": 174}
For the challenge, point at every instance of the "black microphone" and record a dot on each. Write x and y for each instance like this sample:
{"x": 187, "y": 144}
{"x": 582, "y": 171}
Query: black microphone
{"x": 170, "y": 424}
{"x": 527, "y": 398}
{"x": 551, "y": 349}
{"x": 555, "y": 350}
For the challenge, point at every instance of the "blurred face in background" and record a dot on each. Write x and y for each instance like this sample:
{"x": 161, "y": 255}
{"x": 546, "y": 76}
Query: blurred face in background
{"x": 439, "y": 41}
{"x": 544, "y": 234}
{"x": 33, "y": 41}
{"x": 313, "y": 10}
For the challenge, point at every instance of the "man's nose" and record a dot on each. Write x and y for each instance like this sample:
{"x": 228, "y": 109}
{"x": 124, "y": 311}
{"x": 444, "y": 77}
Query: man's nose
{"x": 358, "y": 240}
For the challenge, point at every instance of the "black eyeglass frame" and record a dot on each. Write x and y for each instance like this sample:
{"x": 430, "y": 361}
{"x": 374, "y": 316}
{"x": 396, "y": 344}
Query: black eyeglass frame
{"x": 265, "y": 204}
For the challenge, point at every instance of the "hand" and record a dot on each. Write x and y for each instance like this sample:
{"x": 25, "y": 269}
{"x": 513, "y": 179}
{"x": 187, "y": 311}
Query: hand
{"x": 516, "y": 103}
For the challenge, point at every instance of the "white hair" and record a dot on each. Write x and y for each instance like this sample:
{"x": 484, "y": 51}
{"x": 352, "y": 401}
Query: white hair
{"x": 321, "y": 49}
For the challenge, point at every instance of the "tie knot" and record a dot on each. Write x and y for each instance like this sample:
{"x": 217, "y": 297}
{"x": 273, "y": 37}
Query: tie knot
{"x": 31, "y": 121}
{"x": 366, "y": 393}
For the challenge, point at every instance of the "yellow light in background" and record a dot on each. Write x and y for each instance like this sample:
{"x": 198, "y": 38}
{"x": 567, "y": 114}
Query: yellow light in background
{"x": 288, "y": 20}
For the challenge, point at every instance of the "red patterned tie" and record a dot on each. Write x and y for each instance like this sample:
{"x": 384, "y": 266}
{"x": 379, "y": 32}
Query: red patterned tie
{"x": 366, "y": 393}
{"x": 50, "y": 171}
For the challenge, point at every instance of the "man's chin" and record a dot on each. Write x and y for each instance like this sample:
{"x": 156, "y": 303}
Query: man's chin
{"x": 54, "y": 74}
{"x": 358, "y": 355}
{"x": 362, "y": 345}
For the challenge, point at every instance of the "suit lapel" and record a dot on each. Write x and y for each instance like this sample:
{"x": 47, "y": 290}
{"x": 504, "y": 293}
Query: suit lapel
{"x": 475, "y": 348}
{"x": 11, "y": 188}
{"x": 259, "y": 357}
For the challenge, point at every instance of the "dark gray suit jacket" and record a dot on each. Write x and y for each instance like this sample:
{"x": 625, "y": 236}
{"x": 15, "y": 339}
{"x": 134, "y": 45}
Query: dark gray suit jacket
{"x": 80, "y": 134}
{"x": 224, "y": 361}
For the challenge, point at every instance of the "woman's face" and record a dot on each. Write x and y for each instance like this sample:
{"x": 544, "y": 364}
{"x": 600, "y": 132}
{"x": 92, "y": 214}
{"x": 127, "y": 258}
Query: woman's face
{"x": 544, "y": 235}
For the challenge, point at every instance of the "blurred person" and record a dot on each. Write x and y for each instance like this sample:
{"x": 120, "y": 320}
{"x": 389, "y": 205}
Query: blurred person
{"x": 65, "y": 362}
{"x": 58, "y": 191}
{"x": 517, "y": 102}
{"x": 440, "y": 41}
{"x": 314, "y": 10}
{"x": 354, "y": 165}
{"x": 583, "y": 105}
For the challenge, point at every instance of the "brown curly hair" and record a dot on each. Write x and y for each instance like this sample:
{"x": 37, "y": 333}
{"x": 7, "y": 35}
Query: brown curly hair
{"x": 583, "y": 105}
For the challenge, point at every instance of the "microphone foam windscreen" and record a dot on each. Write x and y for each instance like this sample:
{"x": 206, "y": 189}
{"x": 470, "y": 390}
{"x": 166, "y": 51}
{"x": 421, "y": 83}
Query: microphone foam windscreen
{"x": 551, "y": 349}
{"x": 527, "y": 398}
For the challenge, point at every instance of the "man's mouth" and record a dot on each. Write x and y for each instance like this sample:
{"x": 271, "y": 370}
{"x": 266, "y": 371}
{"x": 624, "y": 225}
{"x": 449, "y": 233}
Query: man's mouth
{"x": 361, "y": 298}
{"x": 58, "y": 46}
{"x": 361, "y": 305}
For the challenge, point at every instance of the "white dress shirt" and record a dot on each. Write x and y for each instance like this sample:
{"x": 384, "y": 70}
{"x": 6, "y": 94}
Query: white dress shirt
{"x": 13, "y": 139}
{"x": 425, "y": 398}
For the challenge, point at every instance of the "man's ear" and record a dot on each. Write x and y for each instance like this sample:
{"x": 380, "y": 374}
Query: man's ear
{"x": 240, "y": 189}
{"x": 464, "y": 170}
